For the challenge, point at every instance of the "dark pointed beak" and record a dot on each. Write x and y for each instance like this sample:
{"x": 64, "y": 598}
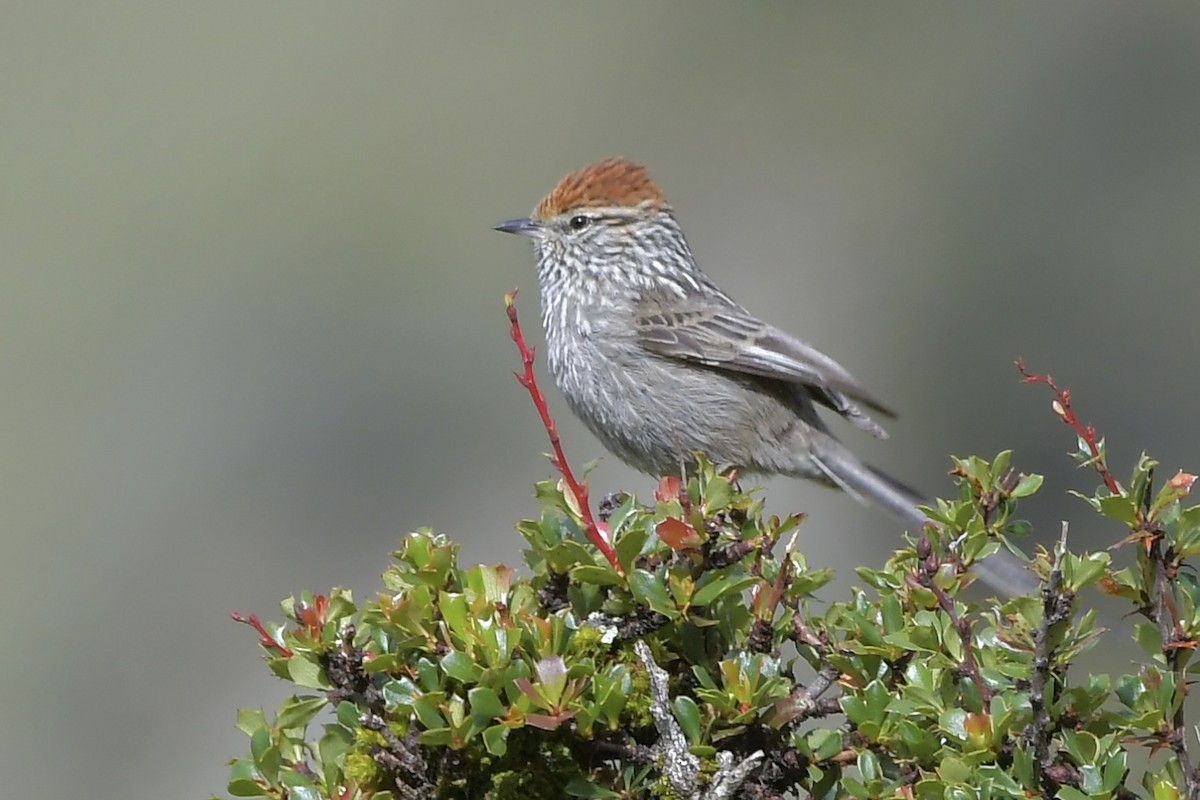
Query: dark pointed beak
{"x": 523, "y": 226}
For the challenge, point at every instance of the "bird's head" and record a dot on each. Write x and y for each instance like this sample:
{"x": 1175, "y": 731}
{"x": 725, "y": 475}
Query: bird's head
{"x": 607, "y": 220}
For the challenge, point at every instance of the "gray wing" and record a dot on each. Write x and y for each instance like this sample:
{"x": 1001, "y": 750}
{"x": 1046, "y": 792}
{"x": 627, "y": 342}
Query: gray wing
{"x": 729, "y": 337}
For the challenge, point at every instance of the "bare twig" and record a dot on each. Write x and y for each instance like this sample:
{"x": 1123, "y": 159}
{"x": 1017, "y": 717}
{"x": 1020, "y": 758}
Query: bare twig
{"x": 807, "y": 702}
{"x": 400, "y": 758}
{"x": 819, "y": 685}
{"x": 636, "y": 625}
{"x": 681, "y": 768}
{"x": 558, "y": 458}
{"x": 923, "y": 577}
{"x": 1087, "y": 433}
{"x": 349, "y": 681}
{"x": 1056, "y": 607}
{"x": 730, "y": 775}
{"x": 1164, "y": 611}
{"x": 679, "y": 765}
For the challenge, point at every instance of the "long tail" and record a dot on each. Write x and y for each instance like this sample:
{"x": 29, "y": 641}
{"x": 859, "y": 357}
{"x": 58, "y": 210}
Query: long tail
{"x": 1002, "y": 571}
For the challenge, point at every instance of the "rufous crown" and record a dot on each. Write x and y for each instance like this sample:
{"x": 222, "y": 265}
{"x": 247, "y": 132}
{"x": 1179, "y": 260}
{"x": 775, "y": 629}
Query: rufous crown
{"x": 614, "y": 181}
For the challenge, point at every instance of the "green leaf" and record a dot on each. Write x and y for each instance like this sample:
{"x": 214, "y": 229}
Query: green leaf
{"x": 347, "y": 714}
{"x": 1081, "y": 746}
{"x": 1114, "y": 773}
{"x": 596, "y": 574}
{"x": 704, "y": 678}
{"x": 877, "y": 698}
{"x": 250, "y": 720}
{"x": 892, "y": 613}
{"x": 1165, "y": 790}
{"x": 628, "y": 546}
{"x": 1023, "y": 766}
{"x": 1146, "y": 634}
{"x": 1071, "y": 793}
{"x": 1118, "y": 507}
{"x": 426, "y": 709}
{"x": 1000, "y": 464}
{"x": 552, "y": 678}
{"x": 300, "y": 786}
{"x": 400, "y": 692}
{"x": 455, "y": 612}
{"x": 1087, "y": 570}
{"x": 650, "y": 591}
{"x": 855, "y": 709}
{"x": 246, "y": 787}
{"x": 718, "y": 494}
{"x": 687, "y": 713}
{"x": 715, "y": 585}
{"x": 490, "y": 581}
{"x": 566, "y": 555}
{"x": 436, "y": 737}
{"x": 868, "y": 767}
{"x": 460, "y": 666}
{"x": 297, "y": 712}
{"x": 825, "y": 743}
{"x": 1027, "y": 485}
{"x": 306, "y": 672}
{"x": 336, "y": 742}
{"x": 260, "y": 743}
{"x": 955, "y": 770}
{"x": 550, "y": 496}
{"x": 382, "y": 663}
{"x": 495, "y": 739}
{"x": 581, "y": 787}
{"x": 485, "y": 703}
{"x": 953, "y": 721}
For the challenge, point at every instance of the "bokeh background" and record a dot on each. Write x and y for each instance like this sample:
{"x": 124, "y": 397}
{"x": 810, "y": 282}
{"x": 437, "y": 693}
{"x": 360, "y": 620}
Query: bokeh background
{"x": 251, "y": 327}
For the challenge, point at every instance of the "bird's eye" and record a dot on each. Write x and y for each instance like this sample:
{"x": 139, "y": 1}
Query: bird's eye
{"x": 579, "y": 222}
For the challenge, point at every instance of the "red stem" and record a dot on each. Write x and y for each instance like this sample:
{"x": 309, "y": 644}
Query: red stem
{"x": 1062, "y": 407}
{"x": 264, "y": 637}
{"x": 558, "y": 459}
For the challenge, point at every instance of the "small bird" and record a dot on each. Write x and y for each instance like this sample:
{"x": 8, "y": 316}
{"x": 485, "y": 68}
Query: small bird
{"x": 660, "y": 363}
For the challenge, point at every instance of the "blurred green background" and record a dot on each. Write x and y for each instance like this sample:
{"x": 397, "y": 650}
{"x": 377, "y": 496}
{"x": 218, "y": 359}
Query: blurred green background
{"x": 252, "y": 325}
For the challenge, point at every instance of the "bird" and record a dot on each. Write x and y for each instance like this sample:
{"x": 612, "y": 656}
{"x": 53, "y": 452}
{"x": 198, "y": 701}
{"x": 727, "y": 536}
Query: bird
{"x": 660, "y": 363}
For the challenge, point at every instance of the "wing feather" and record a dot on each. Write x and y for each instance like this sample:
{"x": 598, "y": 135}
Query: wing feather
{"x": 726, "y": 336}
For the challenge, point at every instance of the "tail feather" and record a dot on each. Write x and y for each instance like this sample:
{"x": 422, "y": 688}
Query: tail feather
{"x": 1002, "y": 571}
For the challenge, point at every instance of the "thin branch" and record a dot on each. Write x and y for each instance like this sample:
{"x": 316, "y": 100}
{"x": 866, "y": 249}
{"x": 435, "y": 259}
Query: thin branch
{"x": 402, "y": 759}
{"x": 679, "y": 765}
{"x": 615, "y": 751}
{"x": 636, "y": 625}
{"x": 1175, "y": 645}
{"x": 1087, "y": 433}
{"x": 265, "y": 639}
{"x": 1056, "y": 607}
{"x": 348, "y": 679}
{"x": 823, "y": 682}
{"x": 578, "y": 490}
{"x": 681, "y": 768}
{"x": 807, "y": 701}
{"x": 730, "y": 775}
{"x": 923, "y": 578}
